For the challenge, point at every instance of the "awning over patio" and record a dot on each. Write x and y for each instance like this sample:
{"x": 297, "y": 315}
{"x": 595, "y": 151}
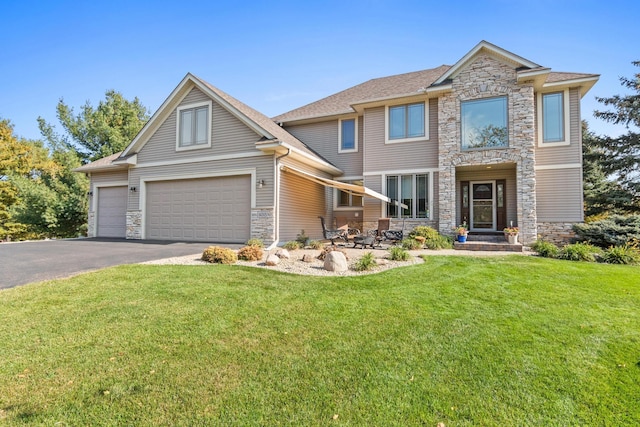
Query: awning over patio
{"x": 358, "y": 190}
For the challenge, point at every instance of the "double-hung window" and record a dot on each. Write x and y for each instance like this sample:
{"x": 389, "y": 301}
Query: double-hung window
{"x": 411, "y": 190}
{"x": 194, "y": 126}
{"x": 348, "y": 136}
{"x": 553, "y": 118}
{"x": 346, "y": 200}
{"x": 406, "y": 122}
{"x": 484, "y": 123}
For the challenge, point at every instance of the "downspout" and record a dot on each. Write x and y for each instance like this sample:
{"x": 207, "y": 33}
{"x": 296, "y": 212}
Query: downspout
{"x": 276, "y": 198}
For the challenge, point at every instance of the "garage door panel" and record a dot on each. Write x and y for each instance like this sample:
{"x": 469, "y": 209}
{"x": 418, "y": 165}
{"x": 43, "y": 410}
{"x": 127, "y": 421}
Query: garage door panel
{"x": 208, "y": 209}
{"x": 112, "y": 212}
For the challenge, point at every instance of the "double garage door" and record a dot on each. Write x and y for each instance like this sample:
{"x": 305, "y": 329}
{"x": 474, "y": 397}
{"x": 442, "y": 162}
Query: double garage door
{"x": 207, "y": 209}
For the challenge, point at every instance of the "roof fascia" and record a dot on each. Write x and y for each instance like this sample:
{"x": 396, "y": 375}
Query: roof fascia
{"x": 585, "y": 84}
{"x": 484, "y": 45}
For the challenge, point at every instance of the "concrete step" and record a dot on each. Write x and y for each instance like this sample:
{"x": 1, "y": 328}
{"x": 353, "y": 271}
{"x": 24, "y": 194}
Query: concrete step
{"x": 488, "y": 246}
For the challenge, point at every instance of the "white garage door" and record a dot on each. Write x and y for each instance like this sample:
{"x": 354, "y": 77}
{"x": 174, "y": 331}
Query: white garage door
{"x": 112, "y": 212}
{"x": 208, "y": 209}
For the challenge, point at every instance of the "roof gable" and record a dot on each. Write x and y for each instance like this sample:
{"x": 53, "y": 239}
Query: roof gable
{"x": 485, "y": 46}
{"x": 265, "y": 128}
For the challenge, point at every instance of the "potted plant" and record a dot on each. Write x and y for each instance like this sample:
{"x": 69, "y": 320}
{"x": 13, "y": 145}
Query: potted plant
{"x": 462, "y": 232}
{"x": 511, "y": 233}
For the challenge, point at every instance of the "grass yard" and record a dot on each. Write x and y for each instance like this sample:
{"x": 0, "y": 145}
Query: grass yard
{"x": 462, "y": 341}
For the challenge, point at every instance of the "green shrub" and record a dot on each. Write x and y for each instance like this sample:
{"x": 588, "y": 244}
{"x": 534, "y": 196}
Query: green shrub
{"x": 439, "y": 242}
{"x": 398, "y": 253}
{"x": 331, "y": 248}
{"x": 411, "y": 244}
{"x": 615, "y": 230}
{"x": 623, "y": 254}
{"x": 316, "y": 244}
{"x": 292, "y": 245}
{"x": 218, "y": 255}
{"x": 255, "y": 242}
{"x": 302, "y": 238}
{"x": 428, "y": 233}
{"x": 366, "y": 262}
{"x": 545, "y": 249}
{"x": 579, "y": 252}
{"x": 250, "y": 253}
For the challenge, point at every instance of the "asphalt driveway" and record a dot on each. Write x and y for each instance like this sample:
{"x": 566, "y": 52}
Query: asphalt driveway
{"x": 27, "y": 262}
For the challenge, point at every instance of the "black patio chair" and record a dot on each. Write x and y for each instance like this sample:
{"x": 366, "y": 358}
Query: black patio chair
{"x": 332, "y": 235}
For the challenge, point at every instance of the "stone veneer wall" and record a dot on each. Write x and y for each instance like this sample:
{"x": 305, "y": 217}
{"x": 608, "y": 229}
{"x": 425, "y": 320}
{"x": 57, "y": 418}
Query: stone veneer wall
{"x": 91, "y": 224}
{"x": 263, "y": 225}
{"x": 397, "y": 224}
{"x": 134, "y": 225}
{"x": 559, "y": 233}
{"x": 487, "y": 77}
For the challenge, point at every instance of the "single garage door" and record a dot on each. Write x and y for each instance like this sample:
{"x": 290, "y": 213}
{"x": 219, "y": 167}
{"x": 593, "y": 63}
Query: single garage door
{"x": 208, "y": 209}
{"x": 112, "y": 212}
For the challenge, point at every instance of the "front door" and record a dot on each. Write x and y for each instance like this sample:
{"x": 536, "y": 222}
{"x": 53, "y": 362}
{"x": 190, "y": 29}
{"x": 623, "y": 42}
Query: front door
{"x": 483, "y": 206}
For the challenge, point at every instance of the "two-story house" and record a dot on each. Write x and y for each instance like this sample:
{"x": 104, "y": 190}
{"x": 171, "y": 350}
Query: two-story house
{"x": 494, "y": 140}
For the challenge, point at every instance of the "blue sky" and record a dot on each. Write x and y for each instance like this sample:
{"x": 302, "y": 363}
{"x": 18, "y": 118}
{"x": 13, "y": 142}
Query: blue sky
{"x": 279, "y": 55}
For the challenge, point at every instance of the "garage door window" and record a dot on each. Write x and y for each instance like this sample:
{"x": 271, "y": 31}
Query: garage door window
{"x": 194, "y": 126}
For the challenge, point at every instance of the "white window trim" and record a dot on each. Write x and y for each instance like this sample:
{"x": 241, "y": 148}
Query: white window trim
{"x": 209, "y": 104}
{"x": 401, "y": 140}
{"x": 429, "y": 173}
{"x": 355, "y": 123}
{"x": 567, "y": 117}
{"x": 336, "y": 195}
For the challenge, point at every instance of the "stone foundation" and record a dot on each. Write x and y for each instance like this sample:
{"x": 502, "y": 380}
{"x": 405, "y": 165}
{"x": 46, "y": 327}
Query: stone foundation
{"x": 134, "y": 225}
{"x": 559, "y": 233}
{"x": 263, "y": 225}
{"x": 91, "y": 224}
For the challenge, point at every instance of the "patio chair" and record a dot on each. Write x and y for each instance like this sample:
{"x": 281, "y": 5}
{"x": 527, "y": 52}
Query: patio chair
{"x": 332, "y": 235}
{"x": 384, "y": 234}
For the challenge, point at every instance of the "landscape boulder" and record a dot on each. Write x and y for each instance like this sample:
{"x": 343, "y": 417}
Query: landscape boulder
{"x": 335, "y": 261}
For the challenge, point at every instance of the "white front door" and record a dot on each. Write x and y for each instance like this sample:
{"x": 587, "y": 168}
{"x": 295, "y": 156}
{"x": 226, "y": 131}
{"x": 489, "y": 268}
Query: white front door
{"x": 483, "y": 210}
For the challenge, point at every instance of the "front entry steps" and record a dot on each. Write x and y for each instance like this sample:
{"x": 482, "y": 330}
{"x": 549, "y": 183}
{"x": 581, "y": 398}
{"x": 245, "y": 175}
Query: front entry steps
{"x": 487, "y": 242}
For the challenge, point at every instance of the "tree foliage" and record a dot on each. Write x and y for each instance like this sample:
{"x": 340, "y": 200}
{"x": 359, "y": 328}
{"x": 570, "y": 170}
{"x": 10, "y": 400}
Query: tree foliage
{"x": 602, "y": 194}
{"x": 40, "y": 195}
{"x": 621, "y": 155}
{"x": 101, "y": 131}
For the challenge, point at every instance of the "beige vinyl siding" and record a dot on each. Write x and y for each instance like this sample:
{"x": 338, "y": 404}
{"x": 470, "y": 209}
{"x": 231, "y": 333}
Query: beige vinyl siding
{"x": 379, "y": 156}
{"x": 373, "y": 207}
{"x": 508, "y": 174}
{"x": 301, "y": 202}
{"x": 228, "y": 135}
{"x": 105, "y": 177}
{"x": 262, "y": 164}
{"x": 559, "y": 195}
{"x": 322, "y": 137}
{"x": 564, "y": 154}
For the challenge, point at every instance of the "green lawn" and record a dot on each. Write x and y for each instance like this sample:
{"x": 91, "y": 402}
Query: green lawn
{"x": 464, "y": 341}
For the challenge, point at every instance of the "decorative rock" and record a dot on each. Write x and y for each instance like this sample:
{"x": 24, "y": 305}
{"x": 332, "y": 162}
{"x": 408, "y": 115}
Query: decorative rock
{"x": 272, "y": 260}
{"x": 283, "y": 254}
{"x": 308, "y": 258}
{"x": 420, "y": 239}
{"x": 382, "y": 261}
{"x": 335, "y": 261}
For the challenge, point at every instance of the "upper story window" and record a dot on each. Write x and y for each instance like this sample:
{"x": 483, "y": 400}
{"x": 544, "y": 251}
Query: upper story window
{"x": 194, "y": 126}
{"x": 406, "y": 122}
{"x": 553, "y": 118}
{"x": 348, "y": 136}
{"x": 484, "y": 123}
{"x": 411, "y": 190}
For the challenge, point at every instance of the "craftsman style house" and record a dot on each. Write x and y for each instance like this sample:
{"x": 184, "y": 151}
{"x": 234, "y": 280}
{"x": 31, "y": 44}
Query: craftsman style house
{"x": 494, "y": 140}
